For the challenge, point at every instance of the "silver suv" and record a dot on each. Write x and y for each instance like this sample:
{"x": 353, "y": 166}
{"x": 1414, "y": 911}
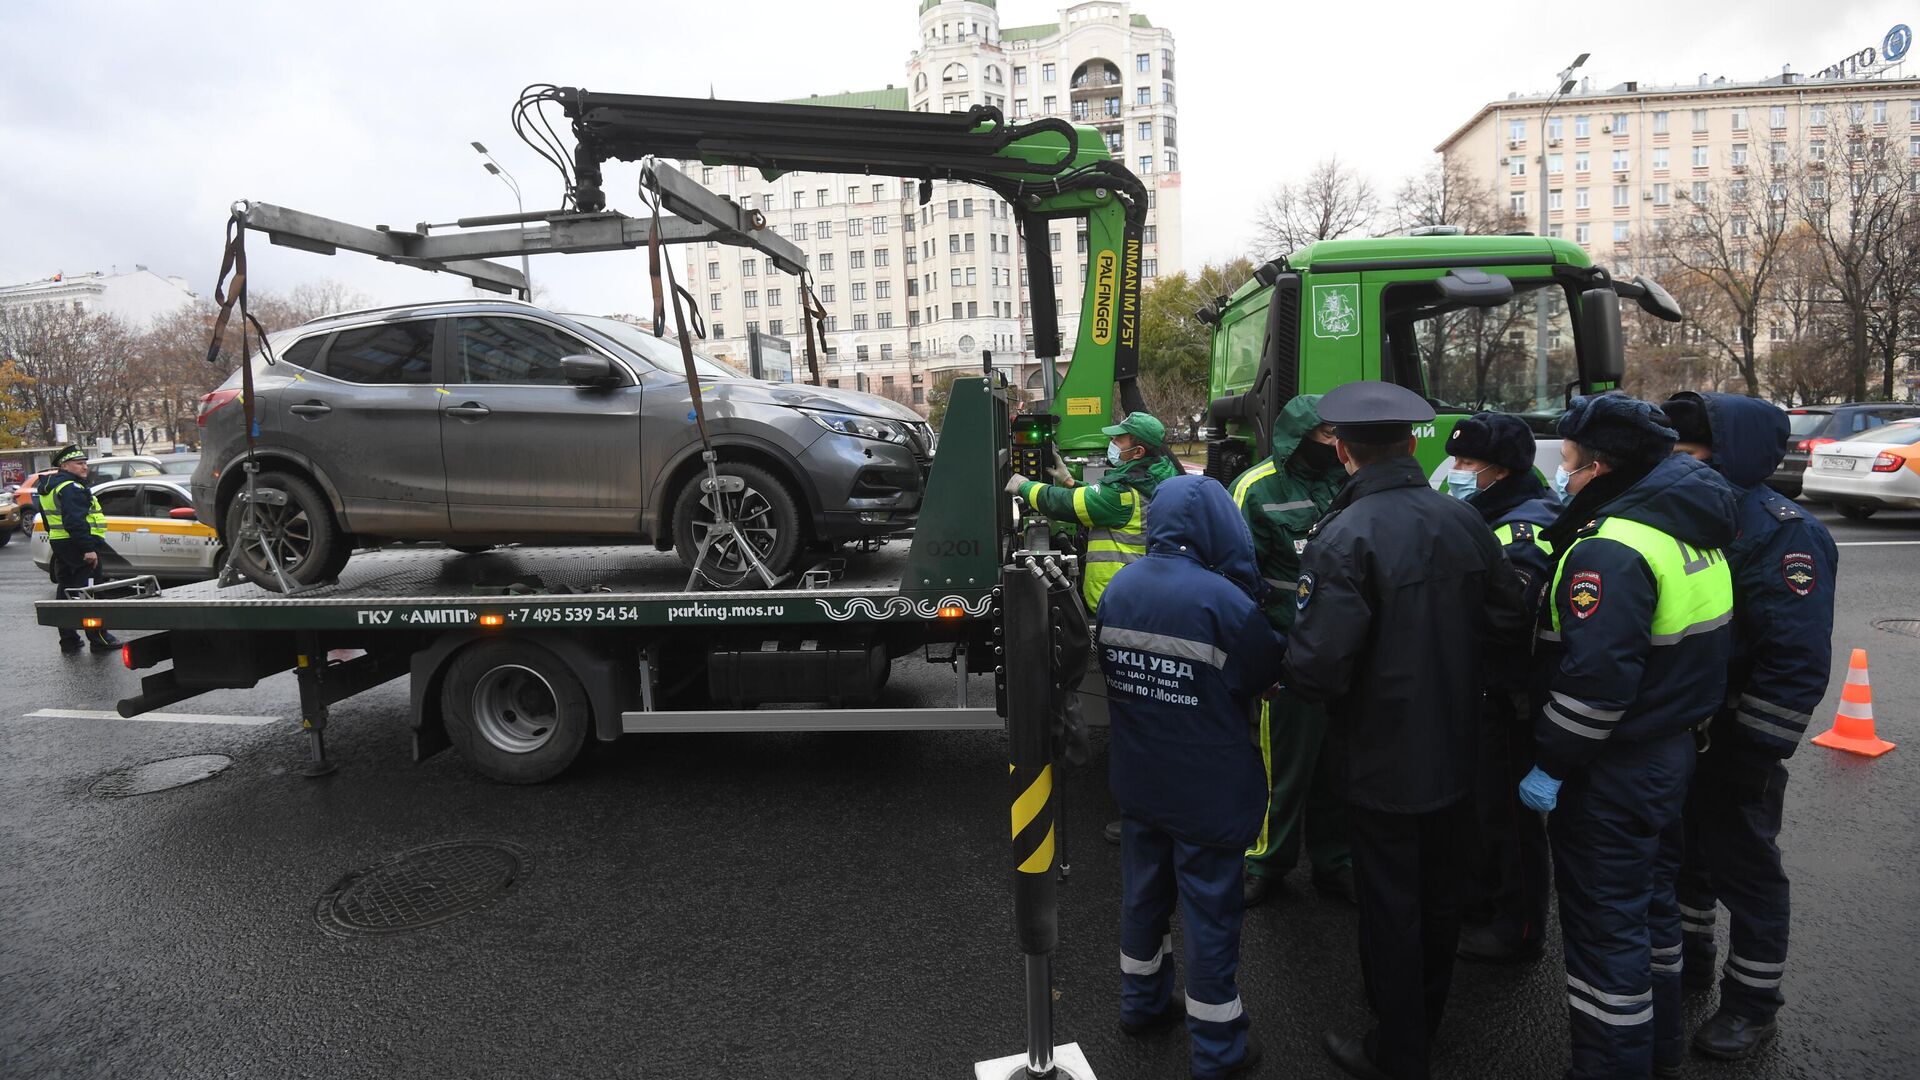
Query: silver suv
{"x": 480, "y": 422}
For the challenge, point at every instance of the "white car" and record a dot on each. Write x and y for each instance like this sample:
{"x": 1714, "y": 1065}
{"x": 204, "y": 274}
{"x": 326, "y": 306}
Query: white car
{"x": 152, "y": 527}
{"x": 1878, "y": 467}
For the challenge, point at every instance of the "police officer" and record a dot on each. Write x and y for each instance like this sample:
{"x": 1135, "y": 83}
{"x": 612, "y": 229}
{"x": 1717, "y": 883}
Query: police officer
{"x": 1185, "y": 651}
{"x": 1401, "y": 591}
{"x": 1281, "y": 499}
{"x": 1632, "y": 659}
{"x": 1783, "y": 571}
{"x": 77, "y": 532}
{"x": 1493, "y": 471}
{"x": 1114, "y": 510}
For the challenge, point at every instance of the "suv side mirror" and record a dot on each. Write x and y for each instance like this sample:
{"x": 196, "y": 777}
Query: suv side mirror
{"x": 587, "y": 370}
{"x": 1604, "y": 358}
{"x": 183, "y": 513}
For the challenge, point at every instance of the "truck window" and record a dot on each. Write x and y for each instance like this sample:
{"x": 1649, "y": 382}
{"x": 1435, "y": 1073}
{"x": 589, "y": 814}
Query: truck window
{"x": 391, "y": 353}
{"x": 1478, "y": 358}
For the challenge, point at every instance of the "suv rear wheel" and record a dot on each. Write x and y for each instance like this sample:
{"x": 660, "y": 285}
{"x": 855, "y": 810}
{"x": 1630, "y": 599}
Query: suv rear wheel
{"x": 301, "y": 533}
{"x": 767, "y": 516}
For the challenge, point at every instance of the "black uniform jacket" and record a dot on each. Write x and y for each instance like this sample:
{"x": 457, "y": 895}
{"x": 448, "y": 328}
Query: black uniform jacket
{"x": 1402, "y": 590}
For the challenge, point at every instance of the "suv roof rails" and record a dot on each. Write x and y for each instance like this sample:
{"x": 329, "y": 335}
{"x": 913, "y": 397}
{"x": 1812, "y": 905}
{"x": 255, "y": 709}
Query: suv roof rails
{"x": 420, "y": 304}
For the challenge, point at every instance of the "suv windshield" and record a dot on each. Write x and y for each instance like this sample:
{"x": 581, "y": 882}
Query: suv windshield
{"x": 661, "y": 353}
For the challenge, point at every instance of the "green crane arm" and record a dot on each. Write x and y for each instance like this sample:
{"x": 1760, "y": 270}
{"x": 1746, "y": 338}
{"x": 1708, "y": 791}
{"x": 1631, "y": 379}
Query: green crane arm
{"x": 1045, "y": 169}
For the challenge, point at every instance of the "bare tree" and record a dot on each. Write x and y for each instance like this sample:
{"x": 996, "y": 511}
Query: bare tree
{"x": 1448, "y": 194}
{"x": 1332, "y": 201}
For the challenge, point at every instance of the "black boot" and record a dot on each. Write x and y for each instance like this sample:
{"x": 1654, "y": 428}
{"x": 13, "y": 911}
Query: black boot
{"x": 1338, "y": 884}
{"x": 1730, "y": 1036}
{"x": 1255, "y": 1052}
{"x": 71, "y": 644}
{"x": 1351, "y": 1056}
{"x": 1257, "y": 889}
{"x": 1485, "y": 945}
{"x": 103, "y": 642}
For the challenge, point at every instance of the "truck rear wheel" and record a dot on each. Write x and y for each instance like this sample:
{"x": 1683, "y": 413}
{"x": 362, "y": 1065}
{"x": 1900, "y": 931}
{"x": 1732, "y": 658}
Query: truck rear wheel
{"x": 515, "y": 711}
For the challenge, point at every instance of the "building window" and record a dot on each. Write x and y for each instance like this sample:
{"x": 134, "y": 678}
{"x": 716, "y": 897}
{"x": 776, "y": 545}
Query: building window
{"x": 1554, "y": 163}
{"x": 953, "y": 276}
{"x": 826, "y": 260}
{"x": 1582, "y": 126}
{"x": 1581, "y": 199}
{"x": 972, "y": 279}
{"x": 856, "y": 260}
{"x": 773, "y": 297}
{"x": 1699, "y": 191}
{"x": 799, "y": 230}
{"x": 1148, "y": 233}
{"x": 1699, "y": 157}
{"x": 1516, "y": 132}
{"x": 860, "y": 323}
{"x": 713, "y": 270}
{"x": 1619, "y": 161}
{"x": 973, "y": 309}
{"x": 1146, "y": 164}
{"x": 713, "y": 301}
{"x": 1583, "y": 234}
{"x": 1817, "y": 116}
{"x": 1554, "y": 127}
{"x": 1621, "y": 231}
{"x": 776, "y": 327}
{"x": 826, "y": 230}
{"x": 1554, "y": 199}
{"x": 1582, "y": 161}
{"x": 1143, "y": 95}
{"x": 749, "y": 267}
{"x": 1619, "y": 125}
{"x": 1913, "y": 147}
{"x": 1777, "y": 153}
{"x": 1699, "y": 120}
{"x": 880, "y": 257}
{"x": 719, "y": 330}
{"x": 1516, "y": 165}
{"x": 859, "y": 292}
{"x": 1049, "y": 105}
{"x": 1143, "y": 63}
{"x": 1145, "y": 131}
{"x": 1621, "y": 194}
{"x": 879, "y": 226}
{"x": 883, "y": 290}
{"x": 751, "y": 297}
{"x": 856, "y": 227}
{"x": 1661, "y": 159}
{"x": 1879, "y": 112}
{"x": 826, "y": 294}
{"x": 1739, "y": 155}
{"x": 1149, "y": 268}
{"x": 1817, "y": 150}
{"x": 1517, "y": 202}
{"x": 753, "y": 326}
{"x": 1046, "y": 72}
{"x": 879, "y": 192}
{"x": 1777, "y": 117}
{"x": 1660, "y": 123}
{"x": 1662, "y": 194}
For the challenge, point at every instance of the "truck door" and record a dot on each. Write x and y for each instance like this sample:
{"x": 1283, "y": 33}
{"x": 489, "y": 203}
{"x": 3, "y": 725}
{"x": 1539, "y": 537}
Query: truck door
{"x": 525, "y": 450}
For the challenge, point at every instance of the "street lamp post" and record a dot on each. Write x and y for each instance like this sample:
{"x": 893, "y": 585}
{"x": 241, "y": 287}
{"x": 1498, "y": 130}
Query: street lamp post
{"x": 493, "y": 167}
{"x": 1540, "y": 384}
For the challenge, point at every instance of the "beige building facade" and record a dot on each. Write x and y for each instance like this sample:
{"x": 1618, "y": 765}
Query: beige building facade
{"x": 911, "y": 290}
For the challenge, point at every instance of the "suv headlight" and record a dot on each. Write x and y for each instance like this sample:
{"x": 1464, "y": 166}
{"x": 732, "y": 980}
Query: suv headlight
{"x": 860, "y": 427}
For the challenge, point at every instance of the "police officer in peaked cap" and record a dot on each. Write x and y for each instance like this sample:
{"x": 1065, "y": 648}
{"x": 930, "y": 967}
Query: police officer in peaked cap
{"x": 1402, "y": 593}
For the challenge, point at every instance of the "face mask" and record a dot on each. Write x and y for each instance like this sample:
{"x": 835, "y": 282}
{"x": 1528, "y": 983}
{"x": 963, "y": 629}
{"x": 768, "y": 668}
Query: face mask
{"x": 1113, "y": 453}
{"x": 1561, "y": 477}
{"x": 1317, "y": 456}
{"x": 1462, "y": 483}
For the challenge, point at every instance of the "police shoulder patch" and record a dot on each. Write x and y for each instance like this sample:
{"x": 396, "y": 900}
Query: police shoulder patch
{"x": 1583, "y": 593}
{"x": 1303, "y": 592}
{"x": 1797, "y": 568}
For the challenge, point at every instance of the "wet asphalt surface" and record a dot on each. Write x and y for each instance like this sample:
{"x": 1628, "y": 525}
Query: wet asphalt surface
{"x": 764, "y": 906}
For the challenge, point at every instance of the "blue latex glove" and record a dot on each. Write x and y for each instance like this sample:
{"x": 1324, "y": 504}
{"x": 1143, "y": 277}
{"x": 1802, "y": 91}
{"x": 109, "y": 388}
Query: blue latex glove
{"x": 1540, "y": 791}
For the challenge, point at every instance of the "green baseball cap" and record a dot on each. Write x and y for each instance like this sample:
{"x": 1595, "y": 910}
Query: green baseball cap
{"x": 1143, "y": 426}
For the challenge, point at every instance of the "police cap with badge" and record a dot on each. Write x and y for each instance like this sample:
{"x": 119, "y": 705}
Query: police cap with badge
{"x": 1374, "y": 413}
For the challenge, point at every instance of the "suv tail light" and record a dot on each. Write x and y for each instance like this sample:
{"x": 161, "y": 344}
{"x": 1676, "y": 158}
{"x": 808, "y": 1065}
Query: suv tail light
{"x": 1888, "y": 461}
{"x": 1807, "y": 446}
{"x": 214, "y": 402}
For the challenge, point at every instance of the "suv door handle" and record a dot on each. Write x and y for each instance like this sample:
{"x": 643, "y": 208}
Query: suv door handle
{"x": 310, "y": 409}
{"x": 471, "y": 410}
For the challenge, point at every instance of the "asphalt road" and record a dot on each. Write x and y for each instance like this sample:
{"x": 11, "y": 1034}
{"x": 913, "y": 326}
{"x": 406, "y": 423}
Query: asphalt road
{"x": 777, "y": 906}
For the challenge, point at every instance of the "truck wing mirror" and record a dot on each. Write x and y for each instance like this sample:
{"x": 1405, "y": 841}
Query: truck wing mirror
{"x": 1603, "y": 358}
{"x": 1474, "y": 288}
{"x": 588, "y": 370}
{"x": 1657, "y": 301}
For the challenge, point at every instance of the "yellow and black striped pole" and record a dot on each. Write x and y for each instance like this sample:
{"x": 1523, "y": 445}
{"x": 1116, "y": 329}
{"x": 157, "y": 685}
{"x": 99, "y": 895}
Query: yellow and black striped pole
{"x": 1026, "y": 635}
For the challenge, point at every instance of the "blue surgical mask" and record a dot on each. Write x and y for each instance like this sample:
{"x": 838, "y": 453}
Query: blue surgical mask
{"x": 1462, "y": 483}
{"x": 1560, "y": 478}
{"x": 1113, "y": 453}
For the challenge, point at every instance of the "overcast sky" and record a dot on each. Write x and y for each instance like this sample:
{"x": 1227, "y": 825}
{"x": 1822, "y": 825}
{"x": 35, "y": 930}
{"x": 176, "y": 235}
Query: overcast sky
{"x": 127, "y": 128}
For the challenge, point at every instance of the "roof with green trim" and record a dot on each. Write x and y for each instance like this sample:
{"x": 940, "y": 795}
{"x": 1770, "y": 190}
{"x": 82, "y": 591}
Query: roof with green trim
{"x": 893, "y": 97}
{"x": 1047, "y": 30}
{"x": 925, "y": 4}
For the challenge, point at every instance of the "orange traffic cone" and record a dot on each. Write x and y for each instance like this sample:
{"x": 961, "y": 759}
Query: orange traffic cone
{"x": 1853, "y": 724}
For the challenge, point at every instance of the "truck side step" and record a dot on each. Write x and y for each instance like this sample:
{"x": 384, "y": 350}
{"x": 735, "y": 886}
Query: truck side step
{"x": 751, "y": 720}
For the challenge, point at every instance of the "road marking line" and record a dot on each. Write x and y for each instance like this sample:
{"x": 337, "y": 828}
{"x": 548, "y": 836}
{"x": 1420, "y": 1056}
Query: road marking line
{"x": 1876, "y": 543}
{"x": 164, "y": 718}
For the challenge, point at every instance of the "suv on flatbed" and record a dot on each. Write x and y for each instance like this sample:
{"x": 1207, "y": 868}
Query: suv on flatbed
{"x": 480, "y": 422}
{"x": 1814, "y": 426}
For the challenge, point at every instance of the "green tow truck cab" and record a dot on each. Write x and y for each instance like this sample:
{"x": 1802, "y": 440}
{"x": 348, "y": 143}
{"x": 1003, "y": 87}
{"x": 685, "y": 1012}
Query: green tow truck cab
{"x": 1454, "y": 317}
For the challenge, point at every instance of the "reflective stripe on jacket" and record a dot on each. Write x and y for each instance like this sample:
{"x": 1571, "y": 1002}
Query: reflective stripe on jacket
{"x": 56, "y": 522}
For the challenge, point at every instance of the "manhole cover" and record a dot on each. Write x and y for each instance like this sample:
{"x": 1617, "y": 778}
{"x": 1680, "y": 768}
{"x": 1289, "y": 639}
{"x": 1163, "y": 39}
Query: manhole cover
{"x": 423, "y": 887}
{"x": 159, "y": 775}
{"x": 1909, "y": 627}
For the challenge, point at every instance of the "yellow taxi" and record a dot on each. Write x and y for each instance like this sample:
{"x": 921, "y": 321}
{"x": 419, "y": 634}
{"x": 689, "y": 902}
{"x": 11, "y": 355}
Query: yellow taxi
{"x": 151, "y": 526}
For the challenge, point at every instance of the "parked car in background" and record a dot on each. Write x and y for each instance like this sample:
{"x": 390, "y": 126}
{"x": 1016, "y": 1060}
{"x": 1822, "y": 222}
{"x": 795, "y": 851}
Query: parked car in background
{"x": 1814, "y": 426}
{"x": 9, "y": 521}
{"x": 1868, "y": 471}
{"x": 25, "y": 495}
{"x": 101, "y": 470}
{"x": 179, "y": 464}
{"x": 478, "y": 422}
{"x": 152, "y": 525}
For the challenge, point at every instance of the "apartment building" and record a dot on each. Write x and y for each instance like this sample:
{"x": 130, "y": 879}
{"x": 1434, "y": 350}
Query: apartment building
{"x": 912, "y": 290}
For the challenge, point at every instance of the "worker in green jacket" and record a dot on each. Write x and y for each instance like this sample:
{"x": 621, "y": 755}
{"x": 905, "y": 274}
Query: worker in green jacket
{"x": 1282, "y": 498}
{"x": 1114, "y": 510}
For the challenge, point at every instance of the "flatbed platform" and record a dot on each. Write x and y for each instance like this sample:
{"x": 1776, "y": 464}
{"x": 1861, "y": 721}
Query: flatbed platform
{"x": 534, "y": 587}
